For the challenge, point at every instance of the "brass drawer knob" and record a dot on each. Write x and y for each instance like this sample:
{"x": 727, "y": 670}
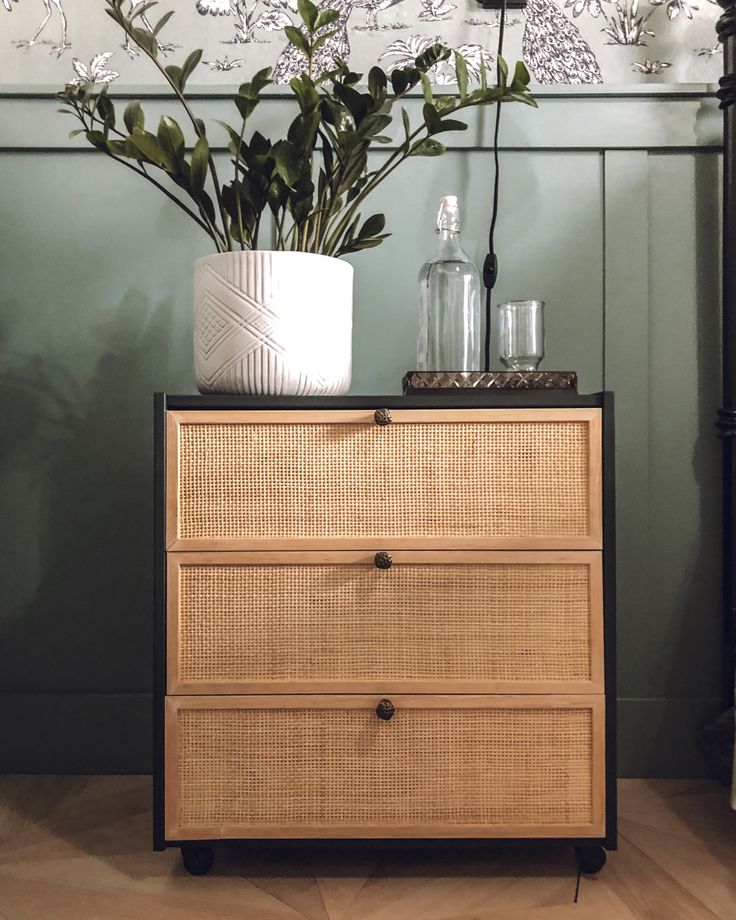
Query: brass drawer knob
{"x": 382, "y": 417}
{"x": 383, "y": 560}
{"x": 385, "y": 710}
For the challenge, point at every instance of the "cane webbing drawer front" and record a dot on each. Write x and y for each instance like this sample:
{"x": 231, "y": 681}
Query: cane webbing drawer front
{"x": 463, "y": 621}
{"x": 488, "y": 478}
{"x": 327, "y": 766}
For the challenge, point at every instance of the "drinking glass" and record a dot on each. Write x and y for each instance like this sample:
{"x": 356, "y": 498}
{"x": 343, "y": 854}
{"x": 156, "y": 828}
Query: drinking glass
{"x": 521, "y": 334}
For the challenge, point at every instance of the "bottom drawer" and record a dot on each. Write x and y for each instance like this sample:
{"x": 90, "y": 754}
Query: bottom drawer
{"x": 441, "y": 766}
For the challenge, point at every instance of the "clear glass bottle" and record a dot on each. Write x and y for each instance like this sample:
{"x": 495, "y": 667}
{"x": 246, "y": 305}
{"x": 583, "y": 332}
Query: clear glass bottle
{"x": 449, "y": 301}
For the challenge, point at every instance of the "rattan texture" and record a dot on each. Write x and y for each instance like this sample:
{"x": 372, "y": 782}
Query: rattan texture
{"x": 342, "y": 768}
{"x": 440, "y": 479}
{"x": 436, "y": 622}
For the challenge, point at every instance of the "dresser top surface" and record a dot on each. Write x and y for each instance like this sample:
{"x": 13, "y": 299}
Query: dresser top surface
{"x": 463, "y": 399}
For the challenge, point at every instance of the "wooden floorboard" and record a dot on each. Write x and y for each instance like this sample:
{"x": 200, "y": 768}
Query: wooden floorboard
{"x": 78, "y": 848}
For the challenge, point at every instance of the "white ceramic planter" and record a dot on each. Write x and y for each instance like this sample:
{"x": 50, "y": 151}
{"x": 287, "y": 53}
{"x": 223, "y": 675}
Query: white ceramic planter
{"x": 276, "y": 323}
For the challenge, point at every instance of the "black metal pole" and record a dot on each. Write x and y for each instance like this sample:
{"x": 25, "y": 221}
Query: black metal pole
{"x": 726, "y": 29}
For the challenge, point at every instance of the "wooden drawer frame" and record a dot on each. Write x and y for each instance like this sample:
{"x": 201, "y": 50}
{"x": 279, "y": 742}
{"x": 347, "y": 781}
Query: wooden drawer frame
{"x": 593, "y": 540}
{"x": 595, "y": 828}
{"x": 176, "y": 685}
{"x": 164, "y": 405}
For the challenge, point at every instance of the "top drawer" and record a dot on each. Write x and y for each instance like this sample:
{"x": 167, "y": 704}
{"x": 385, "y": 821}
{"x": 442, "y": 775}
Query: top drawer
{"x": 466, "y": 479}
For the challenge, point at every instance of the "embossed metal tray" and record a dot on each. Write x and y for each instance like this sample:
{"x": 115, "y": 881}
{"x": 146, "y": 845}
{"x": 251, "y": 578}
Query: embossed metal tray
{"x": 423, "y": 381}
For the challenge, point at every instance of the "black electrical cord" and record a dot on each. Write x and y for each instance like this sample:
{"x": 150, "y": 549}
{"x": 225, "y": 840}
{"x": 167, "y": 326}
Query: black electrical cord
{"x": 490, "y": 265}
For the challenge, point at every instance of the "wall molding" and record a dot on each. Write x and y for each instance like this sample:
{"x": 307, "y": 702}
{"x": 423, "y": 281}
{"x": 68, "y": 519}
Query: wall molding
{"x": 684, "y": 119}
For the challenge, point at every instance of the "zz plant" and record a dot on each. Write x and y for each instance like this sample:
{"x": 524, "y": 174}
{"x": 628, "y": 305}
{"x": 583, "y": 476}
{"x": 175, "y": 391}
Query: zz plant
{"x": 315, "y": 180}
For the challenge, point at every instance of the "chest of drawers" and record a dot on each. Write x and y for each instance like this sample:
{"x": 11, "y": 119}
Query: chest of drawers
{"x": 382, "y": 618}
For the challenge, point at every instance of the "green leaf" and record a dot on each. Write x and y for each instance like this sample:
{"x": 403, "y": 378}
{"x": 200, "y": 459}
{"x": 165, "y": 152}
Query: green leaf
{"x": 149, "y": 148}
{"x": 76, "y": 132}
{"x": 302, "y": 200}
{"x": 399, "y": 81}
{"x": 120, "y": 148}
{"x": 326, "y": 18}
{"x": 277, "y": 194}
{"x": 97, "y": 139}
{"x": 245, "y": 106}
{"x": 144, "y": 39}
{"x": 356, "y": 188}
{"x": 431, "y": 119}
{"x": 526, "y": 98}
{"x": 209, "y": 208}
{"x": 461, "y": 72}
{"x": 373, "y": 226}
{"x": 162, "y": 22}
{"x": 308, "y": 13}
{"x": 133, "y": 116}
{"x": 238, "y": 203}
{"x": 289, "y": 163}
{"x": 305, "y": 91}
{"x": 407, "y": 123}
{"x": 426, "y": 88}
{"x": 370, "y": 243}
{"x": 357, "y": 245}
{"x": 377, "y": 83}
{"x": 521, "y": 78}
{"x": 298, "y": 39}
{"x": 259, "y": 145}
{"x": 427, "y": 148}
{"x": 327, "y": 155}
{"x": 451, "y": 124}
{"x": 190, "y": 65}
{"x": 106, "y": 110}
{"x": 262, "y": 79}
{"x": 200, "y": 164}
{"x": 374, "y": 124}
{"x": 503, "y": 71}
{"x": 444, "y": 104}
{"x": 350, "y": 77}
{"x": 254, "y": 88}
{"x": 303, "y": 131}
{"x": 355, "y": 102}
{"x": 318, "y": 42}
{"x": 235, "y": 144}
{"x": 483, "y": 73}
{"x": 174, "y": 74}
{"x": 171, "y": 139}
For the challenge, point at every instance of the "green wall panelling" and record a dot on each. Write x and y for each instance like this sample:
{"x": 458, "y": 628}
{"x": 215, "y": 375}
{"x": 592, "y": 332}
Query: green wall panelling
{"x": 610, "y": 212}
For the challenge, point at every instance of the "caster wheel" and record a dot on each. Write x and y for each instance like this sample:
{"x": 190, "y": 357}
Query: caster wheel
{"x": 590, "y": 859}
{"x": 197, "y": 860}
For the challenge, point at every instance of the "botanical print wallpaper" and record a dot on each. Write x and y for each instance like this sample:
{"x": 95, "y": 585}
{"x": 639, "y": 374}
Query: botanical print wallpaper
{"x": 562, "y": 41}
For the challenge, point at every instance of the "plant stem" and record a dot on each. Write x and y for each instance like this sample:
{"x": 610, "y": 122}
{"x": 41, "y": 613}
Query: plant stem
{"x": 401, "y": 152}
{"x": 237, "y": 187}
{"x": 280, "y": 221}
{"x": 256, "y": 231}
{"x": 141, "y": 170}
{"x": 182, "y": 99}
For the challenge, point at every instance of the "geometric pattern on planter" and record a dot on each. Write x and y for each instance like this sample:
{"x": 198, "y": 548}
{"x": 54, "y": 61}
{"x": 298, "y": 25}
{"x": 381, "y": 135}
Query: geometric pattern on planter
{"x": 220, "y": 322}
{"x": 225, "y": 336}
{"x": 254, "y": 331}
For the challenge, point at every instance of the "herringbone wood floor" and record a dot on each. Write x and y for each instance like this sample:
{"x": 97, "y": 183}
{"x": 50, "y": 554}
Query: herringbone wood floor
{"x": 77, "y": 848}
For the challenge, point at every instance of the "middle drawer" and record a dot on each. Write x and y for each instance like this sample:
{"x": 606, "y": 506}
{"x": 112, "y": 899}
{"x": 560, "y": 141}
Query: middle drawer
{"x": 321, "y": 622}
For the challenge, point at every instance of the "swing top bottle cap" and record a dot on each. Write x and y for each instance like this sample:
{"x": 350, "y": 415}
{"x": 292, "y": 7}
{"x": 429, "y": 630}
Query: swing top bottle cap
{"x": 448, "y": 217}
